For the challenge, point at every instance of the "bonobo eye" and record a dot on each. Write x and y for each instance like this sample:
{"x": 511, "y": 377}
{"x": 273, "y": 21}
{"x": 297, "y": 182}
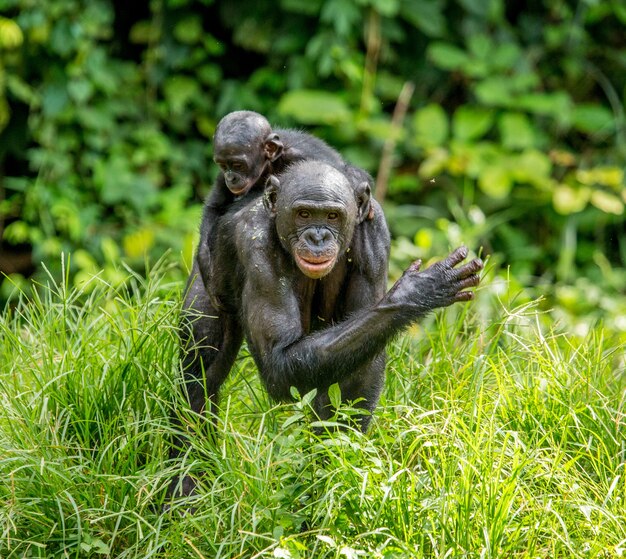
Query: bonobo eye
{"x": 304, "y": 214}
{"x": 332, "y": 216}
{"x": 237, "y": 167}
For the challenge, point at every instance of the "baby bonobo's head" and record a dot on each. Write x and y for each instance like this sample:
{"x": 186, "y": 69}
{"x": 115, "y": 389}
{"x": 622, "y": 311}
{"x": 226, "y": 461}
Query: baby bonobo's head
{"x": 243, "y": 147}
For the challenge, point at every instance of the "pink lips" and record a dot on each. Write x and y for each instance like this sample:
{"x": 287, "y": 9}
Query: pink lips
{"x": 315, "y": 267}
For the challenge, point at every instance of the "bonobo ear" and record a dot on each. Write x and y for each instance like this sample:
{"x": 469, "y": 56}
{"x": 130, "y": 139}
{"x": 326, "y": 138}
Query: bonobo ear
{"x": 271, "y": 192}
{"x": 363, "y": 194}
{"x": 273, "y": 147}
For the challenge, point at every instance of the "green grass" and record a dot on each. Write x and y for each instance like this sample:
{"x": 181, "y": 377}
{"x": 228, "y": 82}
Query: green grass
{"x": 497, "y": 436}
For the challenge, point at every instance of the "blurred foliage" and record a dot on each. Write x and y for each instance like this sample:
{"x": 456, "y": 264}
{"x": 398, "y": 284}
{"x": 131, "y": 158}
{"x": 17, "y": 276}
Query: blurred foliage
{"x": 514, "y": 138}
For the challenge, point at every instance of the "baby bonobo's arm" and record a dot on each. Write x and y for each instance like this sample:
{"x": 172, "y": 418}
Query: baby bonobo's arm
{"x": 216, "y": 203}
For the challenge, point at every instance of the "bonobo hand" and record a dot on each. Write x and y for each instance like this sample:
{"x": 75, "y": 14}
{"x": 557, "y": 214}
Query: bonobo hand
{"x": 438, "y": 286}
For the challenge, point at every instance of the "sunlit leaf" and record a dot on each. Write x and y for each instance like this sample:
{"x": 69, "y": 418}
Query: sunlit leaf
{"x": 496, "y": 182}
{"x": 593, "y": 119}
{"x": 425, "y": 15}
{"x": 516, "y": 131}
{"x": 189, "y": 30}
{"x": 447, "y": 56}
{"x": 607, "y": 176}
{"x": 495, "y": 91}
{"x": 431, "y": 126}
{"x": 138, "y": 243}
{"x": 310, "y": 106}
{"x": 434, "y": 163}
{"x": 532, "y": 166}
{"x": 470, "y": 123}
{"x": 607, "y": 202}
{"x": 179, "y": 91}
{"x": 567, "y": 199}
{"x": 334, "y": 395}
{"x": 557, "y": 104}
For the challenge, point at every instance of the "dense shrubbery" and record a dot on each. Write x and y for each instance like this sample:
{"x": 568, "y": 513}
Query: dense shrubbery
{"x": 513, "y": 136}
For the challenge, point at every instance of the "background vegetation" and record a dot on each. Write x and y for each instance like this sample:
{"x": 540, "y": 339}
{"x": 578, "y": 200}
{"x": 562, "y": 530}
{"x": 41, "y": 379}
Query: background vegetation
{"x": 509, "y": 128}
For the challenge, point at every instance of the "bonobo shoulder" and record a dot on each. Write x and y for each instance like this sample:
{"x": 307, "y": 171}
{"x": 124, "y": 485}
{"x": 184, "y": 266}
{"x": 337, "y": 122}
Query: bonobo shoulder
{"x": 301, "y": 145}
{"x": 250, "y": 228}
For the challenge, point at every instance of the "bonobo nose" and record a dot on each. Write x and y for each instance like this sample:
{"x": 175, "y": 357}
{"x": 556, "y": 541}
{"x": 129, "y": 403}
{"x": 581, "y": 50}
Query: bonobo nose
{"x": 317, "y": 236}
{"x": 231, "y": 178}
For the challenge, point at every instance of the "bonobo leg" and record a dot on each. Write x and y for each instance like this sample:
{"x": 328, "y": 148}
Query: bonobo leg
{"x": 209, "y": 343}
{"x": 365, "y": 385}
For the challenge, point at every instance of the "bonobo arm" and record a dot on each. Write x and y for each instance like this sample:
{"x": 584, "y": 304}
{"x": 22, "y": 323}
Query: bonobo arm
{"x": 216, "y": 203}
{"x": 287, "y": 357}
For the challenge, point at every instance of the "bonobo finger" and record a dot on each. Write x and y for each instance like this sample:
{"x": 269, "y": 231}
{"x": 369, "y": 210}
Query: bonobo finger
{"x": 470, "y": 281}
{"x": 471, "y": 267}
{"x": 474, "y": 266}
{"x": 463, "y": 296}
{"x": 457, "y": 256}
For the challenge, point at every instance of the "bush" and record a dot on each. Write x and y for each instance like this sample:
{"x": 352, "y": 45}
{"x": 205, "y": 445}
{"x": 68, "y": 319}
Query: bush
{"x": 513, "y": 138}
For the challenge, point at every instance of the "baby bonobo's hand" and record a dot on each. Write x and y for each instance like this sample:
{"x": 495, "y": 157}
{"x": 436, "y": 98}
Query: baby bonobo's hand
{"x": 440, "y": 285}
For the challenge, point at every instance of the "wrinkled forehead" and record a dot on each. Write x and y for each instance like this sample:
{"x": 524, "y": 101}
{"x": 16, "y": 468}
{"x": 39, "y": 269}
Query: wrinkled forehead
{"x": 321, "y": 189}
{"x": 231, "y": 148}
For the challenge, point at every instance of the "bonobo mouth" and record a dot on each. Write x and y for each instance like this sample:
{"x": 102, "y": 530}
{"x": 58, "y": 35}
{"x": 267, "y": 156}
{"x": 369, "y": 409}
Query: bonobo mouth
{"x": 315, "y": 267}
{"x": 239, "y": 191}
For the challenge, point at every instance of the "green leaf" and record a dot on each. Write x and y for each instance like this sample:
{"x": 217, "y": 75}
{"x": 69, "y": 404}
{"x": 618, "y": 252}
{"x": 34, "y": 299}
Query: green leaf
{"x": 447, "y": 56}
{"x": 431, "y": 126}
{"x": 54, "y": 98}
{"x": 505, "y": 56}
{"x": 607, "y": 202}
{"x": 80, "y": 90}
{"x": 494, "y": 91}
{"x": 310, "y": 106}
{"x": 189, "y": 30}
{"x": 144, "y": 32}
{"x": 496, "y": 182}
{"x": 387, "y": 8}
{"x": 480, "y": 45}
{"x": 308, "y": 398}
{"x": 425, "y": 15}
{"x": 342, "y": 14}
{"x": 592, "y": 118}
{"x": 309, "y": 8}
{"x": 604, "y": 175}
{"x": 179, "y": 91}
{"x": 568, "y": 200}
{"x": 532, "y": 166}
{"x": 516, "y": 131}
{"x": 334, "y": 395}
{"x": 470, "y": 123}
{"x": 557, "y": 104}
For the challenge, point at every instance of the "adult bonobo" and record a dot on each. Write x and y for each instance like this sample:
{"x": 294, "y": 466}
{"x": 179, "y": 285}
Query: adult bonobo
{"x": 247, "y": 150}
{"x": 309, "y": 283}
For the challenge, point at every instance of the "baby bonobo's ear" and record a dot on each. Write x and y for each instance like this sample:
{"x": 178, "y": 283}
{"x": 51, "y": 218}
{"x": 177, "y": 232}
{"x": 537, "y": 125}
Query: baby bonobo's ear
{"x": 271, "y": 192}
{"x": 273, "y": 147}
{"x": 363, "y": 194}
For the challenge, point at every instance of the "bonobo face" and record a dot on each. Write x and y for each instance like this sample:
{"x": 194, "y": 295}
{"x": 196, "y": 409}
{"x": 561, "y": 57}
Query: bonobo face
{"x": 315, "y": 211}
{"x": 242, "y": 147}
{"x": 242, "y": 165}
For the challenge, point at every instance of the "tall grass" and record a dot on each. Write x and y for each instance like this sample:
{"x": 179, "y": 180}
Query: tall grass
{"x": 497, "y": 436}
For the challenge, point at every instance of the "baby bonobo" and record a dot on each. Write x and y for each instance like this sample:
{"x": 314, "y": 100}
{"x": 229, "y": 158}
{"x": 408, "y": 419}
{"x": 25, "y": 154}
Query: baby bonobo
{"x": 247, "y": 151}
